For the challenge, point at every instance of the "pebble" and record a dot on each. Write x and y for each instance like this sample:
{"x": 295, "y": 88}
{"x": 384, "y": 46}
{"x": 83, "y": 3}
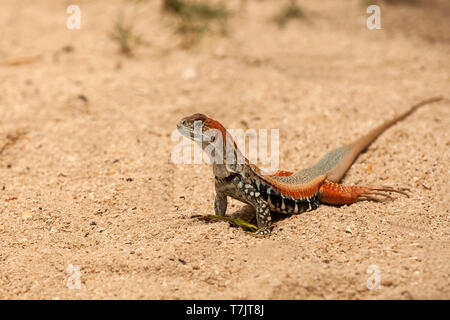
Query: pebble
{"x": 189, "y": 74}
{"x": 27, "y": 215}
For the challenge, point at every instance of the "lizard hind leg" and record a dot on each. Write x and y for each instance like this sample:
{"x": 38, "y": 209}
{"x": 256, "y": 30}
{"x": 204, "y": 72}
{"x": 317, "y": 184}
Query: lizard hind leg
{"x": 337, "y": 194}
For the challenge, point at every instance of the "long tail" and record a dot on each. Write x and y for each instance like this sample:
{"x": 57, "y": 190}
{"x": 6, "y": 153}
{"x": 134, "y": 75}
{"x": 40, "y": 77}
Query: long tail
{"x": 354, "y": 149}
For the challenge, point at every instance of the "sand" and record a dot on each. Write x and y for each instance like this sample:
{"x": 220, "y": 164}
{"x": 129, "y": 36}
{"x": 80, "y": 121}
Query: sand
{"x": 86, "y": 177}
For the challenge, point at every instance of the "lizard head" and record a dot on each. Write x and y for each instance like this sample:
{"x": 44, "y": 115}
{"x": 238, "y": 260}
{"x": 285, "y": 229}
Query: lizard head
{"x": 201, "y": 128}
{"x": 213, "y": 137}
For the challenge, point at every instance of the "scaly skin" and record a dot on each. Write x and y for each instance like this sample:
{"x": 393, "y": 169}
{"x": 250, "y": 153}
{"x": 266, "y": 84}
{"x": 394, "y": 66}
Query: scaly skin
{"x": 284, "y": 191}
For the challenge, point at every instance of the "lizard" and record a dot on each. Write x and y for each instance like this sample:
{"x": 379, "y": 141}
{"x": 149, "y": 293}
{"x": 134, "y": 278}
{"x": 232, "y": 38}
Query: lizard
{"x": 284, "y": 191}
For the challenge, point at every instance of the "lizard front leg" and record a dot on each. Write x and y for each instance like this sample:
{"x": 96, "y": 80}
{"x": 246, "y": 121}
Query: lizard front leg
{"x": 254, "y": 198}
{"x": 220, "y": 204}
{"x": 263, "y": 218}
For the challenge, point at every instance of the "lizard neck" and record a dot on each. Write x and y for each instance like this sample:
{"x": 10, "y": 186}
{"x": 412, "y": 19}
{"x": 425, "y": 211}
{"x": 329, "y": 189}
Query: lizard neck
{"x": 221, "y": 171}
{"x": 232, "y": 161}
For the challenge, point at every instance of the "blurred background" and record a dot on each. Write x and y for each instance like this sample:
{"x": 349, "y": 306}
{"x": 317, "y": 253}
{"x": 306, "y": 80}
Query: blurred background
{"x": 88, "y": 107}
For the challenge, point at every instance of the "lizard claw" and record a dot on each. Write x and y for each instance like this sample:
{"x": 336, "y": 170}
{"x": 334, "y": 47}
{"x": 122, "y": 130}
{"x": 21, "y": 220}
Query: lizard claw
{"x": 261, "y": 232}
{"x": 404, "y": 191}
{"x": 235, "y": 221}
{"x": 381, "y": 194}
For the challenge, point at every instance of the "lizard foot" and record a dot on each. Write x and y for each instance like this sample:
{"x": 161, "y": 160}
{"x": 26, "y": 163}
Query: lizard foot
{"x": 381, "y": 194}
{"x": 338, "y": 194}
{"x": 262, "y": 232}
{"x": 236, "y": 221}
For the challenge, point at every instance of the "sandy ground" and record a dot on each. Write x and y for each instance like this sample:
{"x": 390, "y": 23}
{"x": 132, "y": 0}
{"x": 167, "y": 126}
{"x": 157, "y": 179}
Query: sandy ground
{"x": 86, "y": 177}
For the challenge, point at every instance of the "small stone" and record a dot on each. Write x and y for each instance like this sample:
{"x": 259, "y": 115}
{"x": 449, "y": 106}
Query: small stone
{"x": 27, "y": 215}
{"x": 387, "y": 283}
{"x": 426, "y": 186}
{"x": 189, "y": 74}
{"x": 220, "y": 53}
